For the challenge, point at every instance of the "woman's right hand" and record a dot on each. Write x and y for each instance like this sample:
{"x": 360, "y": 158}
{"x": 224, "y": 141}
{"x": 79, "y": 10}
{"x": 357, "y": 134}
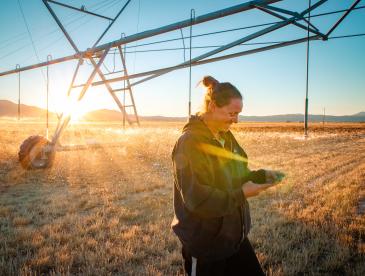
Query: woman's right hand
{"x": 250, "y": 188}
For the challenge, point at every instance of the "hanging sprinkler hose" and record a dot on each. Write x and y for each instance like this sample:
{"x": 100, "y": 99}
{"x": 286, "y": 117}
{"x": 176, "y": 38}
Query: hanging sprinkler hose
{"x": 49, "y": 58}
{"x": 192, "y": 19}
{"x": 17, "y": 67}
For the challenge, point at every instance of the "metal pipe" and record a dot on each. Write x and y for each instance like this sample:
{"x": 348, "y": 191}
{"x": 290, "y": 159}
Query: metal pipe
{"x": 186, "y": 23}
{"x": 38, "y": 65}
{"x": 206, "y": 61}
{"x": 237, "y": 42}
{"x": 139, "y": 36}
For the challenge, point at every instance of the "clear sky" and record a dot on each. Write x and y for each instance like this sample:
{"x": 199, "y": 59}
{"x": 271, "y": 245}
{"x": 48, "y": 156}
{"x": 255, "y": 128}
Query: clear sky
{"x": 272, "y": 82}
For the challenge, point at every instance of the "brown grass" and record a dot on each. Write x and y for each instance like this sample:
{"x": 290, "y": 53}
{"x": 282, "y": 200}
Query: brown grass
{"x": 108, "y": 210}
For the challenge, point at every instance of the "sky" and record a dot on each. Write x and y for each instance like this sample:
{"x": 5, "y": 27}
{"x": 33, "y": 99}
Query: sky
{"x": 272, "y": 82}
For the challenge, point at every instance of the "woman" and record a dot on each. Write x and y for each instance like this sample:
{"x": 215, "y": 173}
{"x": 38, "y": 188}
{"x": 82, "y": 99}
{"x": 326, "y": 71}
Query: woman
{"x": 211, "y": 184}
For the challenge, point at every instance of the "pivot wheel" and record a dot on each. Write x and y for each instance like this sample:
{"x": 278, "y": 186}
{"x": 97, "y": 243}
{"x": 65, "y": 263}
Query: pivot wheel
{"x": 36, "y": 152}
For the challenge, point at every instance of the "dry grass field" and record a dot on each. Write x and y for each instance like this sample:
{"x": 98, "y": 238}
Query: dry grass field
{"x": 108, "y": 210}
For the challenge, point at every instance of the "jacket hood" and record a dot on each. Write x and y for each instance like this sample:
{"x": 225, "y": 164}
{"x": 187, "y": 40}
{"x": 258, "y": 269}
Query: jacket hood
{"x": 197, "y": 126}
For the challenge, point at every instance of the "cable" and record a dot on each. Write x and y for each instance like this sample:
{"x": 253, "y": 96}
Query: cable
{"x": 169, "y": 40}
{"x": 183, "y": 42}
{"x": 21, "y": 36}
{"x": 136, "y": 43}
{"x": 162, "y": 41}
{"x": 109, "y": 4}
{"x": 243, "y": 44}
{"x": 106, "y": 68}
{"x": 105, "y": 6}
{"x": 13, "y": 52}
{"x": 227, "y": 30}
{"x": 207, "y": 46}
{"x": 78, "y": 26}
{"x": 30, "y": 36}
{"x": 9, "y": 42}
{"x": 244, "y": 28}
{"x": 346, "y": 36}
{"x": 200, "y": 47}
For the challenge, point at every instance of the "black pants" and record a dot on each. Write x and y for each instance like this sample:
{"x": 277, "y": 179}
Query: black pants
{"x": 244, "y": 262}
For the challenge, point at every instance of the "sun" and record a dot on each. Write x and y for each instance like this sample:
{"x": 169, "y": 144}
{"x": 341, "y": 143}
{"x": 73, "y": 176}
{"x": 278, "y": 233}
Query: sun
{"x": 70, "y": 106}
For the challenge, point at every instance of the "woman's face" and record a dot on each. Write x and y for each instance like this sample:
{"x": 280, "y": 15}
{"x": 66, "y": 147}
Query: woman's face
{"x": 223, "y": 117}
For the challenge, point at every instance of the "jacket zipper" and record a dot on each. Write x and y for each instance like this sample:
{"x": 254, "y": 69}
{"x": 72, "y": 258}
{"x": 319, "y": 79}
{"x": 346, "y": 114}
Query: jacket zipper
{"x": 240, "y": 208}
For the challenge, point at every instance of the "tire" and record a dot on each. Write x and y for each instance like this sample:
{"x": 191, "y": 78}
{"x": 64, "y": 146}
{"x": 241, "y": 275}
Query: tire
{"x": 33, "y": 155}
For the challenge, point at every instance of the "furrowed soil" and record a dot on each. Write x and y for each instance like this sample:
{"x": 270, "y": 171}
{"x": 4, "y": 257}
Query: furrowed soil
{"x": 107, "y": 209}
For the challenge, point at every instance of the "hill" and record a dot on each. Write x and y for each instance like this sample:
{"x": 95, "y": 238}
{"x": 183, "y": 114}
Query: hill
{"x": 10, "y": 109}
{"x": 358, "y": 117}
{"x": 360, "y": 114}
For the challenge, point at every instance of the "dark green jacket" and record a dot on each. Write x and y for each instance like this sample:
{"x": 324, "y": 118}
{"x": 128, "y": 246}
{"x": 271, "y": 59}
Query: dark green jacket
{"x": 211, "y": 212}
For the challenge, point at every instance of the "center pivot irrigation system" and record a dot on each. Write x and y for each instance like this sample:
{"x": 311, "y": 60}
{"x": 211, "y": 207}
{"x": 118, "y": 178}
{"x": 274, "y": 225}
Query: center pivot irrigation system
{"x": 39, "y": 152}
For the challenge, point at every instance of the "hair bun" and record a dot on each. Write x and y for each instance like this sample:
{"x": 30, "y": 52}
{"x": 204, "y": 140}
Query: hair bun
{"x": 210, "y": 82}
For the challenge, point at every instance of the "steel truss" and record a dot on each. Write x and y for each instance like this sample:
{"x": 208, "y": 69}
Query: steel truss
{"x": 97, "y": 53}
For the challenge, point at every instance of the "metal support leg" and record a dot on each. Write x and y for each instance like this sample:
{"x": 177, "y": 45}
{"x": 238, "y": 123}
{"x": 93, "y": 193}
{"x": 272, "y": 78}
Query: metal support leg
{"x": 110, "y": 90}
{"x": 128, "y": 84}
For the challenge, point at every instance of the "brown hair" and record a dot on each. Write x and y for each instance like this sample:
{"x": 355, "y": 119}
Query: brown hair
{"x": 220, "y": 93}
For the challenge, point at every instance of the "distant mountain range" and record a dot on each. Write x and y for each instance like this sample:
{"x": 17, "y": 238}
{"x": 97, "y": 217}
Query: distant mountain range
{"x": 10, "y": 110}
{"x": 358, "y": 117}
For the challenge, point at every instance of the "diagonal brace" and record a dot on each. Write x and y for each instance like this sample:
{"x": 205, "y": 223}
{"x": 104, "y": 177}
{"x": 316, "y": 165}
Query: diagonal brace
{"x": 111, "y": 23}
{"x": 77, "y": 9}
{"x": 313, "y": 30}
{"x": 290, "y": 13}
{"x": 342, "y": 17}
{"x": 55, "y": 17}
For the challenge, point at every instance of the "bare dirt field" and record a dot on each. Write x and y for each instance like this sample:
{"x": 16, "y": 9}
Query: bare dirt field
{"x": 108, "y": 210}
